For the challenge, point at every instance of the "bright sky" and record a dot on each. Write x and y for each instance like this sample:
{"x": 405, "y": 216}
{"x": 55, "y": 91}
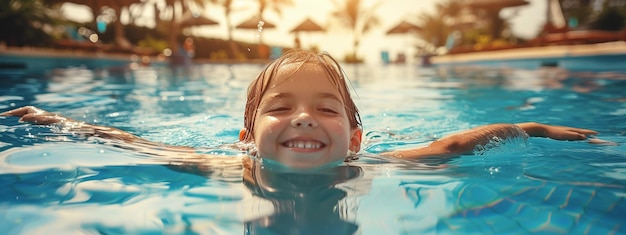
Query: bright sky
{"x": 338, "y": 42}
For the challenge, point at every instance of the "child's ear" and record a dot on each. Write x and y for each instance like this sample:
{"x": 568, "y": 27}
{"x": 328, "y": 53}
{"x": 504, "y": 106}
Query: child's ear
{"x": 355, "y": 140}
{"x": 242, "y": 134}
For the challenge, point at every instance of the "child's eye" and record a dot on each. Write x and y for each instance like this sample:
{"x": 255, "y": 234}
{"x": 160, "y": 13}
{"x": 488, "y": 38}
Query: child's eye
{"x": 328, "y": 110}
{"x": 278, "y": 109}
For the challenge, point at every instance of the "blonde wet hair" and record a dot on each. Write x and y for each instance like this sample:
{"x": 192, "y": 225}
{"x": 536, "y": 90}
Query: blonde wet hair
{"x": 296, "y": 59}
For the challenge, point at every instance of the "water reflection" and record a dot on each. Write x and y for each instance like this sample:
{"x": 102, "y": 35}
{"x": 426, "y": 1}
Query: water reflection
{"x": 314, "y": 203}
{"x": 319, "y": 202}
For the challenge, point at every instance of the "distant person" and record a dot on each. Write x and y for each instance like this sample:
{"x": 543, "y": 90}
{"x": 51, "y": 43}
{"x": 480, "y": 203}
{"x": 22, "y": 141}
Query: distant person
{"x": 401, "y": 58}
{"x": 296, "y": 42}
{"x": 384, "y": 56}
{"x": 264, "y": 51}
{"x": 189, "y": 47}
{"x": 184, "y": 54}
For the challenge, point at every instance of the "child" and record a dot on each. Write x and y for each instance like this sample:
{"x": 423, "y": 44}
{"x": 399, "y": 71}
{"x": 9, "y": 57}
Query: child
{"x": 299, "y": 113}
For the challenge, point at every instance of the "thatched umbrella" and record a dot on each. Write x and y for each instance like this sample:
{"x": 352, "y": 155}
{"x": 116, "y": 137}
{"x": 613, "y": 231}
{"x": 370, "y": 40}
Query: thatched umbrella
{"x": 307, "y": 25}
{"x": 197, "y": 21}
{"x": 255, "y": 23}
{"x": 403, "y": 28}
{"x": 258, "y": 24}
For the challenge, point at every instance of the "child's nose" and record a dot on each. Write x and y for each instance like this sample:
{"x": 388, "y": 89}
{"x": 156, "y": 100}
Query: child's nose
{"x": 303, "y": 119}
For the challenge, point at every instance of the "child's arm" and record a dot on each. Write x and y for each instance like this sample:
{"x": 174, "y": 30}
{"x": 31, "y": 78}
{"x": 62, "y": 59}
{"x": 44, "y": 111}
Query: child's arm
{"x": 465, "y": 142}
{"x": 41, "y": 117}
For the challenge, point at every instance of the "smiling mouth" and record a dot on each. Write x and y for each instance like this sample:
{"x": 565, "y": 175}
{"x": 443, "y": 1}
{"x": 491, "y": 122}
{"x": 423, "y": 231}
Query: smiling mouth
{"x": 304, "y": 144}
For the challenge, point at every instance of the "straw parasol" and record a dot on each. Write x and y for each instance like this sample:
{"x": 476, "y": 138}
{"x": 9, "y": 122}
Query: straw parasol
{"x": 197, "y": 21}
{"x": 258, "y": 24}
{"x": 255, "y": 23}
{"x": 403, "y": 28}
{"x": 308, "y": 25}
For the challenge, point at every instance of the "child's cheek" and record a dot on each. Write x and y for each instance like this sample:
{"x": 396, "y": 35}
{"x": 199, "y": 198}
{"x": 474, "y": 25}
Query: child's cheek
{"x": 275, "y": 121}
{"x": 338, "y": 126}
{"x": 270, "y": 124}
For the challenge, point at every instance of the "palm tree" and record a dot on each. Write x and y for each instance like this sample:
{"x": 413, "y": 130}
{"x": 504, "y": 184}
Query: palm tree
{"x": 275, "y": 5}
{"x": 434, "y": 32}
{"x": 228, "y": 9}
{"x": 580, "y": 10}
{"x": 120, "y": 36}
{"x": 450, "y": 10}
{"x": 173, "y": 28}
{"x": 352, "y": 14}
{"x": 448, "y": 17}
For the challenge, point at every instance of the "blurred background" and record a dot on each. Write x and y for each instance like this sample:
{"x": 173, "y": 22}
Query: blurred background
{"x": 354, "y": 31}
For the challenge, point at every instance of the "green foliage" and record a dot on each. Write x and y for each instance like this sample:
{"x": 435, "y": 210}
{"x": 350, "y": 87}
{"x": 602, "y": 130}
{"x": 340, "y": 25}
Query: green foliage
{"x": 609, "y": 19}
{"x": 24, "y": 23}
{"x": 219, "y": 55}
{"x": 612, "y": 16}
{"x": 150, "y": 42}
{"x": 350, "y": 58}
{"x": 134, "y": 34}
{"x": 582, "y": 12}
{"x": 353, "y": 15}
{"x": 450, "y": 19}
{"x": 210, "y": 48}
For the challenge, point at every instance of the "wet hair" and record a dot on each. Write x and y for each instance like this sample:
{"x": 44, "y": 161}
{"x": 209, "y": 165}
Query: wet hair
{"x": 296, "y": 59}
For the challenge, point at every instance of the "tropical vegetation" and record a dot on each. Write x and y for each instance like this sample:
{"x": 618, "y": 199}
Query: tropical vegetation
{"x": 358, "y": 18}
{"x": 28, "y": 23}
{"x": 456, "y": 24}
{"x": 39, "y": 23}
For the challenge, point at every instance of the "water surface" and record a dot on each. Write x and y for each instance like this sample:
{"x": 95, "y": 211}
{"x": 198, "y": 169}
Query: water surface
{"x": 58, "y": 183}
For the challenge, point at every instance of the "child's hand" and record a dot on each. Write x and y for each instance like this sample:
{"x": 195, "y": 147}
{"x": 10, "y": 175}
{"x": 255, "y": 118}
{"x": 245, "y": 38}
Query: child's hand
{"x": 534, "y": 129}
{"x": 571, "y": 133}
{"x": 38, "y": 116}
{"x": 35, "y": 115}
{"x": 567, "y": 133}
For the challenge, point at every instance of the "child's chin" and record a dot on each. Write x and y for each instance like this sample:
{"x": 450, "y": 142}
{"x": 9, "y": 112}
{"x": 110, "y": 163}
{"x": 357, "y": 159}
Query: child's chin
{"x": 298, "y": 165}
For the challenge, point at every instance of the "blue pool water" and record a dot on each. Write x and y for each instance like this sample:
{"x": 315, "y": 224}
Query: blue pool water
{"x": 57, "y": 183}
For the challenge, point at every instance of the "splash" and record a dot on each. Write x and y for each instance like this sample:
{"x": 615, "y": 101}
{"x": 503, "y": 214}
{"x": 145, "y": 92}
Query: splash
{"x": 518, "y": 139}
{"x": 259, "y": 27}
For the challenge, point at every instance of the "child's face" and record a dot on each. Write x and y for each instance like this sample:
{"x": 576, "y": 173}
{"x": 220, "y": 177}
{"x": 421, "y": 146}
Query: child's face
{"x": 301, "y": 121}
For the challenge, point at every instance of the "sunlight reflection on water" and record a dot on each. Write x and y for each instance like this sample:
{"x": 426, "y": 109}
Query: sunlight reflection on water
{"x": 62, "y": 183}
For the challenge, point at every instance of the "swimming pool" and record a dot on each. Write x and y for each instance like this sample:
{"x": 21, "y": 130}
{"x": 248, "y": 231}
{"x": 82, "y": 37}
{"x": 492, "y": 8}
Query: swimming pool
{"x": 56, "y": 183}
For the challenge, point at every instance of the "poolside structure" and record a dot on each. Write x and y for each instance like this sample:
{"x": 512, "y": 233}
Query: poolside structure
{"x": 259, "y": 24}
{"x": 256, "y": 23}
{"x": 402, "y": 28}
{"x": 308, "y": 25}
{"x": 192, "y": 21}
{"x": 556, "y": 46}
{"x": 608, "y": 56}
